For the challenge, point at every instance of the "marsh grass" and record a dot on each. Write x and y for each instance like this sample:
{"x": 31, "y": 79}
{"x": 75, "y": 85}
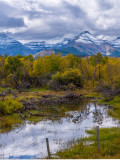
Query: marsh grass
{"x": 9, "y": 122}
{"x": 38, "y": 90}
{"x": 86, "y": 148}
{"x": 114, "y": 109}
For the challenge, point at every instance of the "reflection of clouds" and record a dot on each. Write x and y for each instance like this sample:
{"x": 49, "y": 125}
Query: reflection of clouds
{"x": 30, "y": 141}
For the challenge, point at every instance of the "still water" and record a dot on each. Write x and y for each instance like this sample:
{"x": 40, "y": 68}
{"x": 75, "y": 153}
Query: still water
{"x": 29, "y": 140}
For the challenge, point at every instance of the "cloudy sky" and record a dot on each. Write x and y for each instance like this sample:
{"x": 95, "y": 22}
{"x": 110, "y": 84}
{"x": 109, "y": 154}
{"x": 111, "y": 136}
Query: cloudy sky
{"x": 51, "y": 20}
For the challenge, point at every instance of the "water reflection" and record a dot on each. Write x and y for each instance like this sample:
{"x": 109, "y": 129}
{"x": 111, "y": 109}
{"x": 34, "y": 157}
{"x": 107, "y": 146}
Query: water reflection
{"x": 29, "y": 142}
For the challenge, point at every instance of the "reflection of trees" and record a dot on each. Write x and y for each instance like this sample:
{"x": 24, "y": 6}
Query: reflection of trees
{"x": 62, "y": 111}
{"x": 97, "y": 115}
{"x": 82, "y": 115}
{"x": 80, "y": 112}
{"x": 57, "y": 120}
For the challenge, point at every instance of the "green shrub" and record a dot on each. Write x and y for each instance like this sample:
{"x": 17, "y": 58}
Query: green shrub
{"x": 118, "y": 83}
{"x": 70, "y": 76}
{"x": 9, "y": 107}
{"x": 2, "y": 107}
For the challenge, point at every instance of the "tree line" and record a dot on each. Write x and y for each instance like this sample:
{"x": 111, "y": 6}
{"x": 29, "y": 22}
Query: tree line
{"x": 59, "y": 72}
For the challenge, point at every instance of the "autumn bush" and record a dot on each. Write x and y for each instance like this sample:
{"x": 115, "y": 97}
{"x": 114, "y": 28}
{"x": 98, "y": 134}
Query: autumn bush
{"x": 70, "y": 76}
{"x": 9, "y": 107}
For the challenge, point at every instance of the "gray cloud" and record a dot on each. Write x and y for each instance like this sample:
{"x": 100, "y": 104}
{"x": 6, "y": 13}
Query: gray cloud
{"x": 10, "y": 22}
{"x": 7, "y": 18}
{"x": 105, "y": 4}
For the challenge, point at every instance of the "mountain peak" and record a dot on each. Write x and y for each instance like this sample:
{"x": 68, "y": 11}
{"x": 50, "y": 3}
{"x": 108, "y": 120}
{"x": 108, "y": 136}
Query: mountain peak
{"x": 66, "y": 39}
{"x": 85, "y": 32}
{"x": 2, "y": 35}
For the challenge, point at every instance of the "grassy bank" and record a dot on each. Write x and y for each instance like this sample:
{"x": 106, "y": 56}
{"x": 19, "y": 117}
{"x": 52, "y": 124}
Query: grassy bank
{"x": 114, "y": 104}
{"x": 39, "y": 92}
{"x": 86, "y": 148}
{"x": 8, "y": 114}
{"x": 9, "y": 122}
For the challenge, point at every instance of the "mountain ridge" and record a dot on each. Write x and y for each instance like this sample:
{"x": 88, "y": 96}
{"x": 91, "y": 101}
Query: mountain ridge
{"x": 12, "y": 47}
{"x": 85, "y": 44}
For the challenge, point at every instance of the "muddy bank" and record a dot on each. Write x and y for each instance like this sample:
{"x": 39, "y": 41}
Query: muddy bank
{"x": 69, "y": 98}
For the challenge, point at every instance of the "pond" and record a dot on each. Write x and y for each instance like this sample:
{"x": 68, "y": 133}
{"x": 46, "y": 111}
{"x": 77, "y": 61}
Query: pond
{"x": 29, "y": 140}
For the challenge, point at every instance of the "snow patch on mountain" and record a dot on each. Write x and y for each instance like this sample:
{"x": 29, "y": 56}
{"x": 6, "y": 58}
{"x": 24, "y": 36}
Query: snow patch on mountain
{"x": 6, "y": 41}
{"x": 38, "y": 45}
{"x": 87, "y": 38}
{"x": 12, "y": 47}
{"x": 116, "y": 42}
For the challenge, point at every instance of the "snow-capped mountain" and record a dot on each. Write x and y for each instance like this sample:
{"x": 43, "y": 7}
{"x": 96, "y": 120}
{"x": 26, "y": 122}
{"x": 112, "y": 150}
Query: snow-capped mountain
{"x": 12, "y": 47}
{"x": 116, "y": 42}
{"x": 85, "y": 44}
{"x": 88, "y": 38}
{"x": 6, "y": 41}
{"x": 38, "y": 45}
{"x": 89, "y": 44}
{"x": 63, "y": 44}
